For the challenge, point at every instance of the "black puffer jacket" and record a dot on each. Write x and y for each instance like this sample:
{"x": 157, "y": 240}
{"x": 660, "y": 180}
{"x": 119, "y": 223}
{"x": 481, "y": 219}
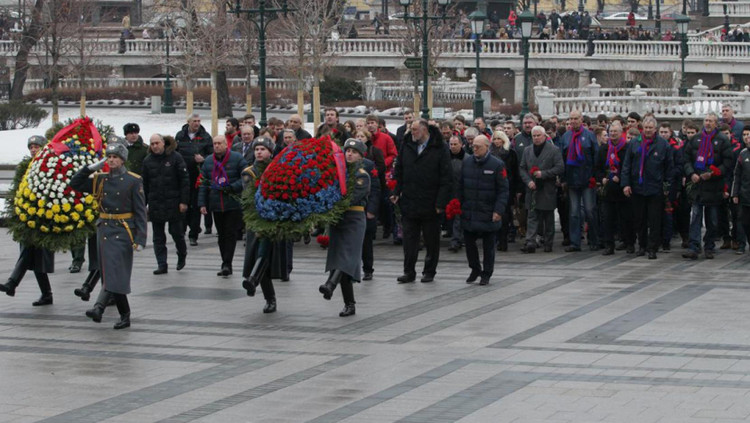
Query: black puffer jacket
{"x": 484, "y": 191}
{"x": 741, "y": 182}
{"x": 202, "y": 144}
{"x": 165, "y": 182}
{"x": 424, "y": 181}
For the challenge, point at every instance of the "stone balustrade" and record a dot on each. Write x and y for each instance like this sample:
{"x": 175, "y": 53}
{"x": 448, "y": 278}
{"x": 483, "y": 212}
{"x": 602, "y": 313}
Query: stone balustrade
{"x": 731, "y": 8}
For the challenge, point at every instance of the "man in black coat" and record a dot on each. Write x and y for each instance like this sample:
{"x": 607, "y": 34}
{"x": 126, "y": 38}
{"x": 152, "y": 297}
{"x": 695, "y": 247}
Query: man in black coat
{"x": 194, "y": 144}
{"x": 166, "y": 187}
{"x": 483, "y": 193}
{"x": 423, "y": 188}
{"x": 647, "y": 169}
{"x": 403, "y": 129}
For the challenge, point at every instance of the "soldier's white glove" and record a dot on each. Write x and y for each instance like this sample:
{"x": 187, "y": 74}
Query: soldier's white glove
{"x": 98, "y": 165}
{"x": 139, "y": 247}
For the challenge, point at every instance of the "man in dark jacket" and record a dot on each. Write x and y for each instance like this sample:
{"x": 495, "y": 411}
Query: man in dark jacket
{"x": 403, "y": 129}
{"x": 458, "y": 154}
{"x": 194, "y": 144}
{"x": 137, "y": 150}
{"x": 707, "y": 159}
{"x": 166, "y": 187}
{"x": 615, "y": 206}
{"x": 741, "y": 186}
{"x": 295, "y": 124}
{"x": 483, "y": 193}
{"x": 578, "y": 147}
{"x": 539, "y": 169}
{"x": 648, "y": 168}
{"x": 727, "y": 116}
{"x": 245, "y": 146}
{"x": 219, "y": 193}
{"x": 423, "y": 188}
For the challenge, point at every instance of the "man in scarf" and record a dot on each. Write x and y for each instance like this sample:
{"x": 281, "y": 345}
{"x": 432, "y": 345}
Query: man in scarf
{"x": 220, "y": 194}
{"x": 727, "y": 116}
{"x": 616, "y": 207}
{"x": 707, "y": 160}
{"x": 579, "y": 149}
{"x": 647, "y": 169}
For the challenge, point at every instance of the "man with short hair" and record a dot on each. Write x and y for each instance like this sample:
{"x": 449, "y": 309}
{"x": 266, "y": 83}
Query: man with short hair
{"x": 509, "y": 127}
{"x": 481, "y": 125}
{"x": 520, "y": 142}
{"x": 137, "y": 150}
{"x": 647, "y": 175}
{"x": 483, "y": 194}
{"x": 634, "y": 121}
{"x": 469, "y": 135}
{"x": 295, "y": 124}
{"x": 741, "y": 187}
{"x": 403, "y": 129}
{"x": 707, "y": 159}
{"x": 246, "y": 146}
{"x": 331, "y": 121}
{"x": 423, "y": 187}
{"x": 249, "y": 120}
{"x": 381, "y": 140}
{"x": 232, "y": 130}
{"x": 727, "y": 116}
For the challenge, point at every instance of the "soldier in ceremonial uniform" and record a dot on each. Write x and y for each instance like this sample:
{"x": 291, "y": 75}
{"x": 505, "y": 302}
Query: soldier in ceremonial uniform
{"x": 39, "y": 260}
{"x": 121, "y": 228}
{"x": 264, "y": 259}
{"x": 345, "y": 248}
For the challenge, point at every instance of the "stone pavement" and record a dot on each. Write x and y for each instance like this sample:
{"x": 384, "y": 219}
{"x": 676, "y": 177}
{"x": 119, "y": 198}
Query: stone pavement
{"x": 554, "y": 338}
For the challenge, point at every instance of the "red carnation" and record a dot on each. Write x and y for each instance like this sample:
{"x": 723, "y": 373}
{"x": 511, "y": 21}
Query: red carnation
{"x": 453, "y": 209}
{"x": 323, "y": 240}
{"x": 592, "y": 182}
{"x": 504, "y": 173}
{"x": 715, "y": 170}
{"x": 391, "y": 184}
{"x": 374, "y": 173}
{"x": 533, "y": 170}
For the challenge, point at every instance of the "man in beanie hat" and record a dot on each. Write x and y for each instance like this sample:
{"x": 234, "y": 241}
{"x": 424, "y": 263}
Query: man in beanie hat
{"x": 137, "y": 150}
{"x": 121, "y": 228}
{"x": 347, "y": 236}
{"x": 39, "y": 260}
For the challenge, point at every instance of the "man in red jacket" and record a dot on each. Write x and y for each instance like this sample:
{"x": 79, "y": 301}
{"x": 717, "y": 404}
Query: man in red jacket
{"x": 382, "y": 140}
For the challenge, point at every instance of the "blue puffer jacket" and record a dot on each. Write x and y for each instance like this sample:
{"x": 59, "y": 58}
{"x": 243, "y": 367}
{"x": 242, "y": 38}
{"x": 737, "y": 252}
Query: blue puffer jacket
{"x": 578, "y": 176}
{"x": 222, "y": 198}
{"x": 483, "y": 190}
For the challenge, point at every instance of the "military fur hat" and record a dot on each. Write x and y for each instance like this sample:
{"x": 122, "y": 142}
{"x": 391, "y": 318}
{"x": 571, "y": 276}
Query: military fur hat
{"x": 263, "y": 141}
{"x": 118, "y": 150}
{"x": 36, "y": 140}
{"x": 357, "y": 145}
{"x": 114, "y": 139}
{"x": 131, "y": 128}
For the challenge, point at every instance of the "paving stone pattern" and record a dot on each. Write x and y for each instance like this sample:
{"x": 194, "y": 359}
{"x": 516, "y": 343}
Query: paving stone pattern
{"x": 554, "y": 338}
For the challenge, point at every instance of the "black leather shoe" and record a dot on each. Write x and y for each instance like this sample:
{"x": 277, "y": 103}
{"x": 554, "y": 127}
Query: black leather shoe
{"x": 473, "y": 276}
{"x": 527, "y": 249}
{"x": 692, "y": 255}
{"x": 641, "y": 252}
{"x": 367, "y": 276}
{"x": 75, "y": 268}
{"x": 427, "y": 278}
{"x": 160, "y": 271}
{"x": 327, "y": 290}
{"x": 666, "y": 246}
{"x": 124, "y": 321}
{"x": 709, "y": 254}
{"x": 406, "y": 278}
{"x": 45, "y": 299}
{"x": 652, "y": 255}
{"x": 180, "y": 262}
{"x": 8, "y": 288}
{"x": 630, "y": 249}
{"x": 485, "y": 280}
{"x": 608, "y": 251}
{"x": 249, "y": 286}
{"x": 95, "y": 313}
{"x": 207, "y": 231}
{"x": 270, "y": 306}
{"x": 193, "y": 242}
{"x": 572, "y": 249}
{"x": 224, "y": 271}
{"x": 84, "y": 293}
{"x": 348, "y": 310}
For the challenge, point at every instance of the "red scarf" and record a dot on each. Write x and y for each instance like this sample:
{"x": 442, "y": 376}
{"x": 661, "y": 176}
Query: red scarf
{"x": 613, "y": 158}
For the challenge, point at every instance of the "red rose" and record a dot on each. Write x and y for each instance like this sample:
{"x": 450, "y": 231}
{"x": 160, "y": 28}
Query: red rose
{"x": 592, "y": 182}
{"x": 715, "y": 170}
{"x": 323, "y": 240}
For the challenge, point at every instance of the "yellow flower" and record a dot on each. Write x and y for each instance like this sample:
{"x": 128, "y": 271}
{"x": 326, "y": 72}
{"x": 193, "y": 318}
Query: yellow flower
{"x": 89, "y": 199}
{"x": 27, "y": 192}
{"x": 22, "y": 217}
{"x": 44, "y": 229}
{"x": 17, "y": 201}
{"x": 40, "y": 203}
{"x": 90, "y": 218}
{"x": 49, "y": 214}
{"x": 56, "y": 229}
{"x": 32, "y": 197}
{"x": 81, "y": 224}
{"x": 40, "y": 212}
{"x": 55, "y": 208}
{"x": 18, "y": 211}
{"x": 92, "y": 152}
{"x": 66, "y": 207}
{"x": 78, "y": 207}
{"x": 68, "y": 228}
{"x": 64, "y": 219}
{"x": 75, "y": 216}
{"x": 31, "y": 224}
{"x": 31, "y": 210}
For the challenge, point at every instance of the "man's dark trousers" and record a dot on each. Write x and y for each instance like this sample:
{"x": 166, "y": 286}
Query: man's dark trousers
{"x": 488, "y": 247}
{"x": 429, "y": 227}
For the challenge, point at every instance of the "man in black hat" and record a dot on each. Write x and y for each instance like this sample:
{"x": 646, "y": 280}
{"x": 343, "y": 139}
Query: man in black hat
{"x": 137, "y": 150}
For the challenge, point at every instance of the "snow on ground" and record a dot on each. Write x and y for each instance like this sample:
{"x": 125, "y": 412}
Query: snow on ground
{"x": 14, "y": 141}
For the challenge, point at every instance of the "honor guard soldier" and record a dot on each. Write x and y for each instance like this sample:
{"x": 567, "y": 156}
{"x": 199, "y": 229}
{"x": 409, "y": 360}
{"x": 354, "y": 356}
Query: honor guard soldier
{"x": 121, "y": 228}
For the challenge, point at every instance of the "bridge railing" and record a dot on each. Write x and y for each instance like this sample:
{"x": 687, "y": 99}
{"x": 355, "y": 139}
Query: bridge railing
{"x": 733, "y": 8}
{"x": 115, "y": 81}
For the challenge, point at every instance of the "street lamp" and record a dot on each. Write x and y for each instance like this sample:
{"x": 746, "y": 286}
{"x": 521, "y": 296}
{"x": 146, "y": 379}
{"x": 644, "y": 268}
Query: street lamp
{"x": 477, "y": 19}
{"x": 726, "y": 22}
{"x": 168, "y": 106}
{"x": 425, "y": 18}
{"x": 580, "y": 6}
{"x": 265, "y": 15}
{"x": 526, "y": 19}
{"x": 658, "y": 16}
{"x": 682, "y": 27}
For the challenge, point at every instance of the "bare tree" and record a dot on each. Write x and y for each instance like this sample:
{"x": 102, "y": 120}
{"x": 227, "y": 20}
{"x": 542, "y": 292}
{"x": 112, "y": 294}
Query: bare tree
{"x": 29, "y": 38}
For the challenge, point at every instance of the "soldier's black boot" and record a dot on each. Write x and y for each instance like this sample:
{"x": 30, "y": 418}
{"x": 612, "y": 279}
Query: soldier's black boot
{"x": 327, "y": 288}
{"x": 253, "y": 280}
{"x": 43, "y": 280}
{"x": 96, "y": 313}
{"x": 84, "y": 292}
{"x": 348, "y": 310}
{"x": 45, "y": 299}
{"x": 9, "y": 287}
{"x": 124, "y": 321}
{"x": 270, "y": 306}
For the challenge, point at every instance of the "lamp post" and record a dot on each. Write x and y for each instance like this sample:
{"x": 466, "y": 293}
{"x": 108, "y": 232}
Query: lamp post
{"x": 477, "y": 19}
{"x": 650, "y": 9}
{"x": 682, "y": 27}
{"x": 726, "y": 22}
{"x": 580, "y": 6}
{"x": 684, "y": 7}
{"x": 526, "y": 19}
{"x": 425, "y": 19}
{"x": 658, "y": 16}
{"x": 264, "y": 15}
{"x": 168, "y": 106}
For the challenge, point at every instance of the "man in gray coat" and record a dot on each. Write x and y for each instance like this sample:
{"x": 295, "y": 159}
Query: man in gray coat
{"x": 539, "y": 168}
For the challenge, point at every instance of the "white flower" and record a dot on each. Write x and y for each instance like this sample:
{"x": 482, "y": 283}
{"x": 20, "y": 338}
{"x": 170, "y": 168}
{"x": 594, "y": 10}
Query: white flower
{"x": 51, "y": 194}
{"x": 56, "y": 202}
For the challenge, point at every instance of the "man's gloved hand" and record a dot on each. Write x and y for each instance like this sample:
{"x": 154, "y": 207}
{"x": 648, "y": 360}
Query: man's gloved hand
{"x": 98, "y": 165}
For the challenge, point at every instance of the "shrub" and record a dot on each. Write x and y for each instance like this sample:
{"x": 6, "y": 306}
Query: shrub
{"x": 335, "y": 89}
{"x": 19, "y": 115}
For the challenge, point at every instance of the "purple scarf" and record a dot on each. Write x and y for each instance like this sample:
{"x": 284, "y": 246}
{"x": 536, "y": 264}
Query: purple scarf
{"x": 645, "y": 144}
{"x": 613, "y": 158}
{"x": 705, "y": 156}
{"x": 219, "y": 176}
{"x": 575, "y": 151}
